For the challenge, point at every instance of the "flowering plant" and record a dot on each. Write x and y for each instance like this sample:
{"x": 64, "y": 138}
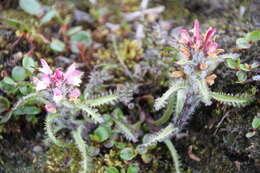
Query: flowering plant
{"x": 59, "y": 93}
{"x": 58, "y": 85}
{"x": 197, "y": 56}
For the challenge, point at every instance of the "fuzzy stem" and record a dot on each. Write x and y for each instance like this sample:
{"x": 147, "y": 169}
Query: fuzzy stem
{"x": 174, "y": 155}
{"x": 21, "y": 102}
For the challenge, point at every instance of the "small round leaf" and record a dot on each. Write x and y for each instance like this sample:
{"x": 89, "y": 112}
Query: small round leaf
{"x": 57, "y": 45}
{"x": 127, "y": 153}
{"x": 111, "y": 170}
{"x": 19, "y": 73}
{"x": 133, "y": 169}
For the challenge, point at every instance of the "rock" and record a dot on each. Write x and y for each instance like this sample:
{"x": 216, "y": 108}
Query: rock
{"x": 37, "y": 149}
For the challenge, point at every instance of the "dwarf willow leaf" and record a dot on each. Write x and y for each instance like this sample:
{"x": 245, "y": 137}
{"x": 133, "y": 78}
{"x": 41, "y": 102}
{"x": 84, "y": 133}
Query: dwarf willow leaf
{"x": 32, "y": 7}
{"x": 127, "y": 153}
{"x": 19, "y": 73}
{"x": 57, "y": 45}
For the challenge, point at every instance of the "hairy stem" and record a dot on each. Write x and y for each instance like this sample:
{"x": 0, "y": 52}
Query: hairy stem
{"x": 174, "y": 155}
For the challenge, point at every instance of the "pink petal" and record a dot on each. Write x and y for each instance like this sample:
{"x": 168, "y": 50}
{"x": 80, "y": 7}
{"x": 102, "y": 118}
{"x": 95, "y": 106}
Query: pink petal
{"x": 70, "y": 70}
{"x": 40, "y": 84}
{"x": 50, "y": 108}
{"x": 58, "y": 77}
{"x": 209, "y": 35}
{"x": 72, "y": 76}
{"x": 45, "y": 67}
{"x": 196, "y": 33}
{"x": 196, "y": 29}
{"x": 58, "y": 74}
{"x": 57, "y": 95}
{"x": 212, "y": 47}
{"x": 74, "y": 94}
{"x": 185, "y": 36}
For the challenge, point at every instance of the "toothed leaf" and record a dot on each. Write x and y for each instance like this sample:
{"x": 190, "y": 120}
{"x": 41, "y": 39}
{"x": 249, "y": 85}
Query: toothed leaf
{"x": 162, "y": 101}
{"x": 50, "y": 130}
{"x": 95, "y": 116}
{"x": 126, "y": 130}
{"x": 160, "y": 136}
{"x": 82, "y": 146}
{"x": 108, "y": 99}
{"x": 228, "y": 99}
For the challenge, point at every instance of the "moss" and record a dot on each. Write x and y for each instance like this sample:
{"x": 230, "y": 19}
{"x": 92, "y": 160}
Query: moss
{"x": 62, "y": 160}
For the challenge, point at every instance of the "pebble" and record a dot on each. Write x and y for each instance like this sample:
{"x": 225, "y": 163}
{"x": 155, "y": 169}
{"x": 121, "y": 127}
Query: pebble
{"x": 37, "y": 149}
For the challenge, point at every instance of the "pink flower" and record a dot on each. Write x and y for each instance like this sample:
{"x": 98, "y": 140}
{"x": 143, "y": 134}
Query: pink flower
{"x": 185, "y": 37}
{"x": 45, "y": 67}
{"x": 72, "y": 76}
{"x": 58, "y": 74}
{"x": 43, "y": 83}
{"x": 57, "y": 95}
{"x": 196, "y": 34}
{"x": 209, "y": 35}
{"x": 50, "y": 108}
{"x": 74, "y": 94}
{"x": 58, "y": 77}
{"x": 211, "y": 48}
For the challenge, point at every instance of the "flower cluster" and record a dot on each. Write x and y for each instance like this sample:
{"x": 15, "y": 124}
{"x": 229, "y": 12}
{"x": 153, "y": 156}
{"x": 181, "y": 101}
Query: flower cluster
{"x": 198, "y": 55}
{"x": 198, "y": 42}
{"x": 58, "y": 83}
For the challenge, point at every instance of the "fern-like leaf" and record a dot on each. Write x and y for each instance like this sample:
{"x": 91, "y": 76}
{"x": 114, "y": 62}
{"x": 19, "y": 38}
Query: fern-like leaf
{"x": 160, "y": 136}
{"x": 126, "y": 130}
{"x": 162, "y": 101}
{"x": 50, "y": 130}
{"x": 229, "y": 99}
{"x": 82, "y": 147}
{"x": 93, "y": 113}
{"x": 102, "y": 100}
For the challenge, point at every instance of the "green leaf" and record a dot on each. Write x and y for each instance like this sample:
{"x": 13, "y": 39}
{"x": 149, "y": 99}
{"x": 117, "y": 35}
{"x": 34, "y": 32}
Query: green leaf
{"x": 244, "y": 67}
{"x": 9, "y": 81}
{"x": 111, "y": 170}
{"x": 233, "y": 63}
{"x": 127, "y": 153}
{"x": 229, "y": 99}
{"x": 242, "y": 43}
{"x": 48, "y": 16}
{"x": 133, "y": 169}
{"x": 102, "y": 133}
{"x": 256, "y": 123}
{"x": 4, "y": 104}
{"x": 27, "y": 110}
{"x": 32, "y": 7}
{"x": 253, "y": 36}
{"x": 241, "y": 76}
{"x": 57, "y": 45}
{"x": 74, "y": 30}
{"x": 28, "y": 63}
{"x": 19, "y": 73}
{"x": 81, "y": 37}
{"x": 17, "y": 24}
